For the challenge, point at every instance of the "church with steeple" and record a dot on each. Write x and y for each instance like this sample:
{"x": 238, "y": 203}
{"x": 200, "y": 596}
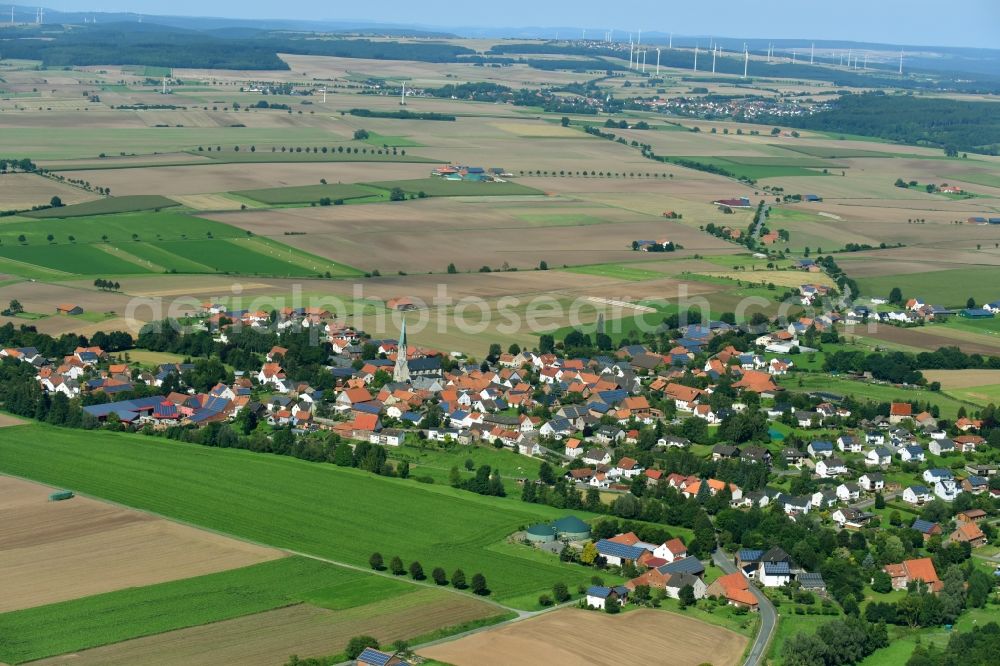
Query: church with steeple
{"x": 401, "y": 372}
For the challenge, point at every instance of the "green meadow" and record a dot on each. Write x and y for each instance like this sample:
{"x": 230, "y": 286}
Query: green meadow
{"x": 338, "y": 513}
{"x": 758, "y": 167}
{"x": 306, "y": 193}
{"x": 126, "y": 204}
{"x": 439, "y": 187}
{"x": 949, "y": 288}
{"x": 865, "y": 391}
{"x": 381, "y": 141}
{"x": 142, "y": 611}
{"x": 630, "y": 272}
{"x": 832, "y": 153}
{"x": 148, "y": 242}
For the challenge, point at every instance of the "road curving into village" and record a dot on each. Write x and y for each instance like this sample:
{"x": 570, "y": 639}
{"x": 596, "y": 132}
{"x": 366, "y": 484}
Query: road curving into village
{"x": 768, "y": 614}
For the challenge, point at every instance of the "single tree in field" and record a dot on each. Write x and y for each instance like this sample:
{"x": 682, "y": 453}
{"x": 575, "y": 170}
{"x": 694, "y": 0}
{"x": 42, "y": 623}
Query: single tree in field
{"x": 458, "y": 579}
{"x": 417, "y": 571}
{"x": 560, "y": 592}
{"x": 396, "y": 566}
{"x": 896, "y": 295}
{"x": 15, "y": 307}
{"x": 439, "y": 576}
{"x": 55, "y": 202}
{"x": 50, "y": 238}
{"x": 376, "y": 561}
{"x": 479, "y": 585}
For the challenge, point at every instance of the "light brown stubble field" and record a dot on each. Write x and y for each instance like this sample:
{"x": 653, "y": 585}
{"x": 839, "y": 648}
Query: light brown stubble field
{"x": 573, "y": 636}
{"x": 55, "y": 551}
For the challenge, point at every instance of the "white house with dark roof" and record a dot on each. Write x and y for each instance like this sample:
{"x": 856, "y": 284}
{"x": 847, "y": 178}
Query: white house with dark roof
{"x": 872, "y": 482}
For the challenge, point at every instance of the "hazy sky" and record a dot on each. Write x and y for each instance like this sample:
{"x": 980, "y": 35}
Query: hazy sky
{"x": 953, "y": 23}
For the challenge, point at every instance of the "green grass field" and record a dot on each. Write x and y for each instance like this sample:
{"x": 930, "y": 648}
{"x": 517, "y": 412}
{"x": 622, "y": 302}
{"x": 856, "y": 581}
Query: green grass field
{"x": 948, "y": 288}
{"x": 804, "y": 162}
{"x": 755, "y": 171}
{"x": 832, "y": 153}
{"x": 79, "y": 259}
{"x": 778, "y": 215}
{"x": 439, "y": 187}
{"x": 980, "y": 395}
{"x": 864, "y": 391}
{"x": 306, "y": 193}
{"x": 118, "y": 228}
{"x": 630, "y": 272}
{"x": 342, "y": 514}
{"x": 632, "y": 323}
{"x": 165, "y": 242}
{"x": 127, "y": 204}
{"x": 982, "y": 326}
{"x": 381, "y": 141}
{"x": 142, "y": 611}
{"x": 980, "y": 178}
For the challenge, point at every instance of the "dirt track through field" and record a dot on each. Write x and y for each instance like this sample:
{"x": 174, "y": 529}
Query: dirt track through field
{"x": 54, "y": 551}
{"x": 574, "y": 636}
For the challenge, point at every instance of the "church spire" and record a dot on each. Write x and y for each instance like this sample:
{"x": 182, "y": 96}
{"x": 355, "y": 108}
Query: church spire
{"x": 401, "y": 372}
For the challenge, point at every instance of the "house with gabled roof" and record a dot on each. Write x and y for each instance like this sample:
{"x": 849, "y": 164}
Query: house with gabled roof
{"x": 598, "y": 595}
{"x": 969, "y": 533}
{"x": 735, "y": 589}
{"x": 617, "y": 554}
{"x": 872, "y": 482}
{"x": 920, "y": 570}
{"x": 916, "y": 494}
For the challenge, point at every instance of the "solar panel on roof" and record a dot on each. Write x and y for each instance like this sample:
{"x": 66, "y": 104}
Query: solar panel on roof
{"x": 614, "y": 549}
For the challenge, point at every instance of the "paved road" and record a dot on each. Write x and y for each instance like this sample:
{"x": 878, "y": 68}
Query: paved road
{"x": 768, "y": 615}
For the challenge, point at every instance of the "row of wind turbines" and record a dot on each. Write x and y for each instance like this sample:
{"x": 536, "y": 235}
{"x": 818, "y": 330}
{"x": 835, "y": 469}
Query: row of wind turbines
{"x": 637, "y": 55}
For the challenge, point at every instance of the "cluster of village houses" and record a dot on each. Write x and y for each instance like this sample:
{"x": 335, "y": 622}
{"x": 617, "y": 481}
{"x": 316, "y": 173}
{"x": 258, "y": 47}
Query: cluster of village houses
{"x": 609, "y": 403}
{"x": 916, "y": 310}
{"x": 668, "y": 567}
{"x": 606, "y": 397}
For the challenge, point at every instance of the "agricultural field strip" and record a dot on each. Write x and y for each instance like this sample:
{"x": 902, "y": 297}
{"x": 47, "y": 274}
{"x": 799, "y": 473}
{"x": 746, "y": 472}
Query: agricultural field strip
{"x": 141, "y": 611}
{"x": 170, "y": 249}
{"x": 305, "y": 526}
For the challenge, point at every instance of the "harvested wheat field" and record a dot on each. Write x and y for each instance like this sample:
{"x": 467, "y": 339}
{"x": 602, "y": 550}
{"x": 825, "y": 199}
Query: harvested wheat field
{"x": 931, "y": 338}
{"x": 213, "y": 178}
{"x": 958, "y": 379}
{"x": 24, "y": 190}
{"x": 642, "y": 636}
{"x": 266, "y": 639}
{"x": 54, "y": 551}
